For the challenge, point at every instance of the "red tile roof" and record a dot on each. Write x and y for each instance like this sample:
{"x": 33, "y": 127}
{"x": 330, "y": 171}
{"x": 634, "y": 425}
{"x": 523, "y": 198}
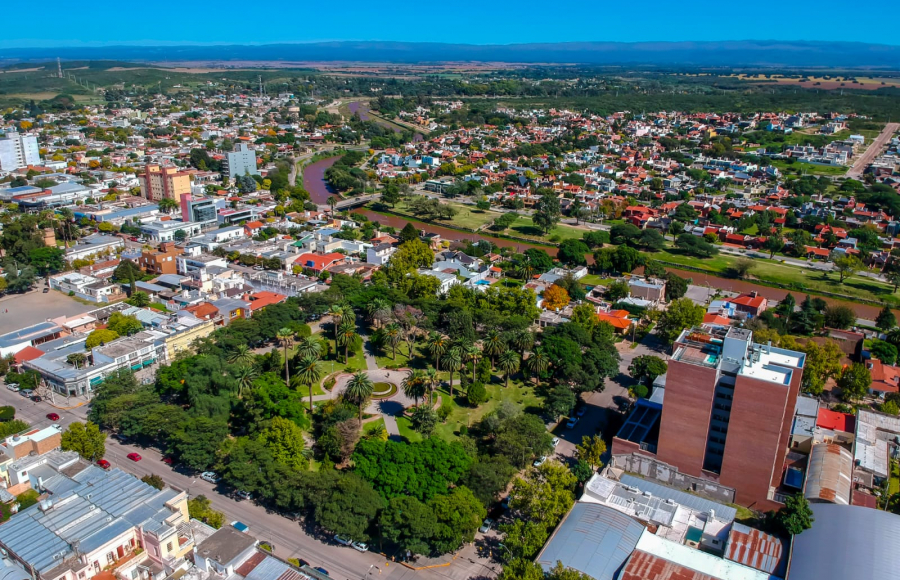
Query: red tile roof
{"x": 748, "y": 300}
{"x": 28, "y": 353}
{"x": 260, "y": 300}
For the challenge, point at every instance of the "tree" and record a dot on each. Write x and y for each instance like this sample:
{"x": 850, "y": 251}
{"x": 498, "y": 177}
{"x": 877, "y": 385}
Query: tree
{"x": 572, "y": 251}
{"x": 645, "y": 368}
{"x": 476, "y": 394}
{"x": 555, "y": 297}
{"x": 741, "y": 267}
{"x": 617, "y": 290}
{"x": 847, "y": 266}
{"x": 537, "y": 363}
{"x": 795, "y": 516}
{"x": 47, "y": 260}
{"x": 773, "y": 245}
{"x": 409, "y": 523}
{"x": 409, "y": 233}
{"x": 98, "y": 337}
{"x": 154, "y": 480}
{"x": 508, "y": 363}
{"x": 854, "y": 381}
{"x": 414, "y": 384}
{"x": 309, "y": 372}
{"x": 86, "y": 439}
{"x": 840, "y": 317}
{"x": 885, "y": 320}
{"x": 676, "y": 286}
{"x": 453, "y": 362}
{"x": 547, "y": 212}
{"x": 591, "y": 450}
{"x": 284, "y": 440}
{"x": 21, "y": 281}
{"x": 358, "y": 390}
{"x": 346, "y": 505}
{"x": 883, "y": 351}
{"x": 823, "y": 361}
{"x": 286, "y": 337}
{"x": 347, "y": 335}
{"x": 244, "y": 376}
{"x": 390, "y": 195}
{"x": 545, "y": 494}
{"x": 680, "y": 314}
{"x": 200, "y": 508}
{"x": 893, "y": 278}
{"x": 424, "y": 420}
{"x": 560, "y": 401}
{"x": 167, "y": 205}
{"x": 123, "y": 325}
{"x": 652, "y": 239}
{"x": 139, "y": 299}
{"x": 458, "y": 514}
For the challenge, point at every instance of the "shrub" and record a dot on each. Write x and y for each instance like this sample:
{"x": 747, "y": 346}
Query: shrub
{"x": 7, "y": 413}
{"x": 443, "y": 412}
{"x": 329, "y": 383}
{"x": 477, "y": 394}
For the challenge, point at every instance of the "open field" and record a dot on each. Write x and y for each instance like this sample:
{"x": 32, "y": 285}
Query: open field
{"x": 19, "y": 310}
{"x": 824, "y": 82}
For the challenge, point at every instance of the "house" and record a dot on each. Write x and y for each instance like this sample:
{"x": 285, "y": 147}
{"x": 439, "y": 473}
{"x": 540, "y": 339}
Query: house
{"x": 751, "y": 305}
{"x": 259, "y": 300}
{"x": 318, "y": 263}
{"x": 885, "y": 378}
{"x": 648, "y": 289}
{"x": 618, "y": 319}
{"x": 162, "y": 260}
{"x": 230, "y": 309}
{"x": 252, "y": 228}
{"x": 86, "y": 287}
{"x": 380, "y": 255}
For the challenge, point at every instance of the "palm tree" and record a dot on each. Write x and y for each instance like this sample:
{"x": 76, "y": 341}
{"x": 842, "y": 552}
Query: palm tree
{"x": 359, "y": 389}
{"x": 244, "y": 375}
{"x": 139, "y": 299}
{"x": 308, "y": 372}
{"x": 308, "y": 346}
{"x": 437, "y": 345}
{"x": 241, "y": 355}
{"x": 523, "y": 340}
{"x": 393, "y": 333}
{"x": 286, "y": 337}
{"x": 432, "y": 378}
{"x": 346, "y": 335}
{"x": 493, "y": 345}
{"x": 378, "y": 309}
{"x": 414, "y": 384}
{"x": 537, "y": 363}
{"x": 508, "y": 362}
{"x": 167, "y": 205}
{"x": 453, "y": 361}
{"x": 472, "y": 353}
{"x": 336, "y": 312}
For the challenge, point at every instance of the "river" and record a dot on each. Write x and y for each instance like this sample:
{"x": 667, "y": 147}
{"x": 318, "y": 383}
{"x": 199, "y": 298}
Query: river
{"x": 314, "y": 182}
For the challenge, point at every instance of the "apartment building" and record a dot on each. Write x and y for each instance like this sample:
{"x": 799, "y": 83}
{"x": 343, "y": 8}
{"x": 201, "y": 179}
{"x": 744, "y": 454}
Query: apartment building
{"x": 722, "y": 414}
{"x": 17, "y": 151}
{"x": 159, "y": 182}
{"x": 241, "y": 161}
{"x": 162, "y": 260}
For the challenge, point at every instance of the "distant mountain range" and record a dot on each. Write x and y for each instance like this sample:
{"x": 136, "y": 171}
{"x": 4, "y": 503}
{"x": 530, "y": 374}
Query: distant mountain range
{"x": 668, "y": 54}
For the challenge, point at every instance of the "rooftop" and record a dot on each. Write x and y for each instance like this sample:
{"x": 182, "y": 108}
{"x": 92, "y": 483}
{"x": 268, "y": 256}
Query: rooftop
{"x": 225, "y": 545}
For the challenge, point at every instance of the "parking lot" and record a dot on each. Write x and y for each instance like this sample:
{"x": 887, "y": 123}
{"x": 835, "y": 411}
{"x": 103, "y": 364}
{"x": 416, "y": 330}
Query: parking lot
{"x": 19, "y": 310}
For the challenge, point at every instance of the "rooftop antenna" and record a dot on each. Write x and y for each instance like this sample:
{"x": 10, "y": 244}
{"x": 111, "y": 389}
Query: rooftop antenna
{"x": 260, "y": 87}
{"x": 59, "y": 67}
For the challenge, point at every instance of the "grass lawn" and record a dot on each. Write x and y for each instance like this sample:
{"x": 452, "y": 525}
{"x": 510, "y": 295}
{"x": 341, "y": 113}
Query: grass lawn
{"x": 372, "y": 426}
{"x": 357, "y": 360}
{"x": 522, "y": 395}
{"x": 467, "y": 216}
{"x": 403, "y": 358}
{"x": 810, "y": 168}
{"x": 594, "y": 280}
{"x": 524, "y": 227}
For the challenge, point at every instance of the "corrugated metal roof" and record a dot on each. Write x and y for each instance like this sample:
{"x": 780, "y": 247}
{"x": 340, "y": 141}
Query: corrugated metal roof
{"x": 696, "y": 503}
{"x": 757, "y": 549}
{"x": 847, "y": 542}
{"x": 592, "y": 539}
{"x": 644, "y": 566}
{"x": 830, "y": 474}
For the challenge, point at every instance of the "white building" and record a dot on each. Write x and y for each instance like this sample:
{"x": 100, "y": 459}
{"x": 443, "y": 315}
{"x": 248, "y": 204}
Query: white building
{"x": 17, "y": 151}
{"x": 241, "y": 161}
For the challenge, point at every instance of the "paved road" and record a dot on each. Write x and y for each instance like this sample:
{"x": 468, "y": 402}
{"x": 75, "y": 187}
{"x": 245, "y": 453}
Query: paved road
{"x": 873, "y": 151}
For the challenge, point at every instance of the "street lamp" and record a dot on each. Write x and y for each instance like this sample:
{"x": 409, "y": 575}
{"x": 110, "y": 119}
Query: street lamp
{"x": 369, "y": 571}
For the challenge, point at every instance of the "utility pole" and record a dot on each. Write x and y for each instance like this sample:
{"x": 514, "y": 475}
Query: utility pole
{"x": 59, "y": 67}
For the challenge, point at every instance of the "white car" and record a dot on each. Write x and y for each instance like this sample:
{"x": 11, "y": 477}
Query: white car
{"x": 540, "y": 461}
{"x": 555, "y": 442}
{"x": 209, "y": 476}
{"x": 486, "y": 526}
{"x": 343, "y": 540}
{"x": 13, "y": 387}
{"x": 360, "y": 546}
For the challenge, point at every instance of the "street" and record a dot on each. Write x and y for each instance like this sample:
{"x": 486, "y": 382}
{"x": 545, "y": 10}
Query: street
{"x": 873, "y": 150}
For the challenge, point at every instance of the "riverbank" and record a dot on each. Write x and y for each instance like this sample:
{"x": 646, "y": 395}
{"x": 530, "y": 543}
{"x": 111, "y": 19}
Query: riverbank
{"x": 314, "y": 180}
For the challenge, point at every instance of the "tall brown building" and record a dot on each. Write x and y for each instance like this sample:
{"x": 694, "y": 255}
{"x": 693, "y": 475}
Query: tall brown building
{"x": 159, "y": 182}
{"x": 160, "y": 260}
{"x": 726, "y": 413}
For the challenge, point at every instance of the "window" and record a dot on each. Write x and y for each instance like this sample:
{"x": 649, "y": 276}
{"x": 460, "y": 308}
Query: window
{"x": 169, "y": 547}
{"x": 110, "y": 557}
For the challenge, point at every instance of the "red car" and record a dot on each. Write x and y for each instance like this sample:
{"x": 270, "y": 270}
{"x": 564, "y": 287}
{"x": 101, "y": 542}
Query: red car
{"x": 134, "y": 456}
{"x": 167, "y": 460}
{"x": 103, "y": 463}
{"x": 53, "y": 416}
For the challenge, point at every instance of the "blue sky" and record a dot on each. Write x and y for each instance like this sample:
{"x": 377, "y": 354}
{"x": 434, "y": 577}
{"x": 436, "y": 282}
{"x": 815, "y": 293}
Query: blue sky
{"x": 463, "y": 21}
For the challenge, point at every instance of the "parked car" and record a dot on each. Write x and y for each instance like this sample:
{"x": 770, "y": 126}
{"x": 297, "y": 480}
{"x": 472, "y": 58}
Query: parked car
{"x": 121, "y": 438}
{"x": 25, "y": 393}
{"x": 103, "y": 463}
{"x": 580, "y": 411}
{"x": 209, "y": 476}
{"x": 134, "y": 456}
{"x": 241, "y": 494}
{"x": 45, "y": 290}
{"x": 570, "y": 424}
{"x": 53, "y": 416}
{"x": 540, "y": 461}
{"x": 37, "y": 398}
{"x": 360, "y": 546}
{"x": 342, "y": 540}
{"x": 321, "y": 569}
{"x": 555, "y": 442}
{"x": 301, "y": 563}
{"x": 168, "y": 461}
{"x": 14, "y": 387}
{"x": 486, "y": 525}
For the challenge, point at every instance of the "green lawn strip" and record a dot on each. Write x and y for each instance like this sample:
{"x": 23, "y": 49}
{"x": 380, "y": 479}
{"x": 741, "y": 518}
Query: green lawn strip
{"x": 404, "y": 425}
{"x": 810, "y": 168}
{"x": 462, "y": 413}
{"x": 371, "y": 426}
{"x": 524, "y": 227}
{"x": 595, "y": 280}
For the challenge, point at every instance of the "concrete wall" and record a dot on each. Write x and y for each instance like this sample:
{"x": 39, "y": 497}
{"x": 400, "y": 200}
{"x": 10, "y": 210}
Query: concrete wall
{"x": 656, "y": 470}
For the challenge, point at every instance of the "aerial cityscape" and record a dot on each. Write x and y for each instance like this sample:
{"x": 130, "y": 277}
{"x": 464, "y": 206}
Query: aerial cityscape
{"x": 448, "y": 304}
